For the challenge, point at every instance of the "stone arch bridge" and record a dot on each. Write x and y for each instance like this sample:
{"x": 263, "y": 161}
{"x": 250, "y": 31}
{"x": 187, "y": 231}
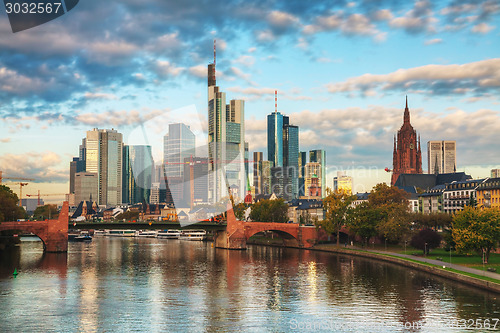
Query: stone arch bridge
{"x": 53, "y": 233}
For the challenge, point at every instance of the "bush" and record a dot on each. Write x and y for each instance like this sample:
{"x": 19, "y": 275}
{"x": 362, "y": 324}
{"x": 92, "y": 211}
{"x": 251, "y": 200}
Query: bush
{"x": 425, "y": 240}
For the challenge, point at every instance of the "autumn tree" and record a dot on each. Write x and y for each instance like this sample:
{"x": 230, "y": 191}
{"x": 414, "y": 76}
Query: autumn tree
{"x": 9, "y": 208}
{"x": 476, "y": 230}
{"x": 338, "y": 211}
{"x": 239, "y": 210}
{"x": 270, "y": 211}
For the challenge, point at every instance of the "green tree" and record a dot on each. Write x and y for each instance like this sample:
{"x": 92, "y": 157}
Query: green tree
{"x": 270, "y": 211}
{"x": 364, "y": 221}
{"x": 392, "y": 204}
{"x": 9, "y": 208}
{"x": 46, "y": 212}
{"x": 476, "y": 230}
{"x": 472, "y": 201}
{"x": 338, "y": 211}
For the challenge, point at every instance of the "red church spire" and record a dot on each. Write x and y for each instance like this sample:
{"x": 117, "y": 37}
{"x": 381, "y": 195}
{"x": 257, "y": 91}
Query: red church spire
{"x": 407, "y": 113}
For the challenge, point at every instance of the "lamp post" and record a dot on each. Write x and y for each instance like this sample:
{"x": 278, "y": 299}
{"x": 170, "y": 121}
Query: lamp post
{"x": 405, "y": 247}
{"x": 425, "y": 249}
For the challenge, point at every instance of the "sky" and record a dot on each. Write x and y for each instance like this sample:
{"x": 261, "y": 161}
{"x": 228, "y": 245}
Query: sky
{"x": 342, "y": 70}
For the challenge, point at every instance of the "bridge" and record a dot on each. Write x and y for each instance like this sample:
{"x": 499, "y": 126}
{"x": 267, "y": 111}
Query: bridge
{"x": 238, "y": 232}
{"x": 53, "y": 233}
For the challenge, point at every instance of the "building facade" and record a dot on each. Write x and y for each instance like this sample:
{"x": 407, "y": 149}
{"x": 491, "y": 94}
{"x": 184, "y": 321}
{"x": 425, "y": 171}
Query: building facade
{"x": 86, "y": 187}
{"x": 407, "y": 155}
{"x": 495, "y": 173}
{"x": 342, "y": 183}
{"x": 488, "y": 193}
{"x": 319, "y": 156}
{"x": 441, "y": 157}
{"x": 142, "y": 166}
{"x": 458, "y": 194}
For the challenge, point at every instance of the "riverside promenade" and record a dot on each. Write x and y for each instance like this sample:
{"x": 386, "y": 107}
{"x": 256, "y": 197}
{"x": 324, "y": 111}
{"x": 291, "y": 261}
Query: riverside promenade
{"x": 438, "y": 267}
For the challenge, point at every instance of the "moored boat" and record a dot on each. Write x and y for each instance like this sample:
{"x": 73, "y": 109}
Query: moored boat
{"x": 169, "y": 234}
{"x": 192, "y": 234}
{"x": 146, "y": 233}
{"x": 121, "y": 232}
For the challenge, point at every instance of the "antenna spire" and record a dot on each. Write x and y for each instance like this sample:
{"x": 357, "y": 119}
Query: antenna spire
{"x": 275, "y": 101}
{"x": 214, "y": 52}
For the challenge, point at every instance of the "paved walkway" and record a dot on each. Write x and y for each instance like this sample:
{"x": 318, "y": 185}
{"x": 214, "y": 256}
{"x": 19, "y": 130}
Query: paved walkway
{"x": 441, "y": 263}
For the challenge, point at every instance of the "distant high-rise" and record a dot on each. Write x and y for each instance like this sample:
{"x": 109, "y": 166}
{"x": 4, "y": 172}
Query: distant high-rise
{"x": 441, "y": 157}
{"x": 495, "y": 173}
{"x": 342, "y": 182}
{"x": 178, "y": 144}
{"x": 319, "y": 156}
{"x": 302, "y": 169}
{"x": 226, "y": 142}
{"x": 283, "y": 152}
{"x": 312, "y": 179}
{"x": 142, "y": 165}
{"x": 195, "y": 181}
{"x": 103, "y": 154}
{"x": 257, "y": 171}
{"x": 275, "y": 138}
{"x": 86, "y": 187}
{"x": 407, "y": 155}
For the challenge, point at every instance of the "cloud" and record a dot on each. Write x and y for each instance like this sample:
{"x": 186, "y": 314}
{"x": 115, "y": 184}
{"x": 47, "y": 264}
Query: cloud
{"x": 41, "y": 166}
{"x": 166, "y": 69}
{"x": 417, "y": 20}
{"x": 88, "y": 95}
{"x": 199, "y": 71}
{"x": 478, "y": 77}
{"x": 482, "y": 28}
{"x": 5, "y": 140}
{"x": 245, "y": 60}
{"x": 433, "y": 41}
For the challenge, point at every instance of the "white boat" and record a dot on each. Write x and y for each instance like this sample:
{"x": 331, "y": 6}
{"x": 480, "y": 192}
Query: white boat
{"x": 100, "y": 232}
{"x": 194, "y": 235}
{"x": 146, "y": 233}
{"x": 121, "y": 233}
{"x": 169, "y": 234}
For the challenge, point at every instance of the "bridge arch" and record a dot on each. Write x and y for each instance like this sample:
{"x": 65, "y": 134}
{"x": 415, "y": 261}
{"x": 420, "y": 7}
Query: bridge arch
{"x": 288, "y": 238}
{"x": 36, "y": 231}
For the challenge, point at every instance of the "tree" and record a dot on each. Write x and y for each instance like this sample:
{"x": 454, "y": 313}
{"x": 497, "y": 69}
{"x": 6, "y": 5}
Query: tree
{"x": 425, "y": 240}
{"x": 270, "y": 211}
{"x": 476, "y": 230}
{"x": 239, "y": 210}
{"x": 338, "y": 211}
{"x": 46, "y": 212}
{"x": 392, "y": 204}
{"x": 364, "y": 221}
{"x": 9, "y": 208}
{"x": 432, "y": 220}
{"x": 472, "y": 201}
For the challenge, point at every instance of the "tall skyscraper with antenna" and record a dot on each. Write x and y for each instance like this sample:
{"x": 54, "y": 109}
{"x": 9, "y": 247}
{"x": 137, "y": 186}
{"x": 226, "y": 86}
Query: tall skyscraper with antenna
{"x": 226, "y": 142}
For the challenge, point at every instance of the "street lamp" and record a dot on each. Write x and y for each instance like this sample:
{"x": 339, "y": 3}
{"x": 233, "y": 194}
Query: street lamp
{"x": 425, "y": 249}
{"x": 405, "y": 247}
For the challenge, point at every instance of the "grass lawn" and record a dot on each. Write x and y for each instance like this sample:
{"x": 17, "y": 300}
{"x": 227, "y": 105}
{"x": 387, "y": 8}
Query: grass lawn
{"x": 474, "y": 261}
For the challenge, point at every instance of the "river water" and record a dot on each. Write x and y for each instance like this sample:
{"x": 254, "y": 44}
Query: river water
{"x": 158, "y": 285}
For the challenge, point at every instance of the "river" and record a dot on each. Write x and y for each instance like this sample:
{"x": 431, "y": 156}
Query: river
{"x": 158, "y": 285}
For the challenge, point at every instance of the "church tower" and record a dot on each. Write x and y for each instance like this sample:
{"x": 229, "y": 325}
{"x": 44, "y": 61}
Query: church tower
{"x": 407, "y": 156}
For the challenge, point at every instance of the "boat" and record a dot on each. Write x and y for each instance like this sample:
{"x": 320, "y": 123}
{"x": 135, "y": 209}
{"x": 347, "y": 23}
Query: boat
{"x": 146, "y": 233}
{"x": 121, "y": 233}
{"x": 169, "y": 234}
{"x": 84, "y": 236}
{"x": 100, "y": 232}
{"x": 192, "y": 234}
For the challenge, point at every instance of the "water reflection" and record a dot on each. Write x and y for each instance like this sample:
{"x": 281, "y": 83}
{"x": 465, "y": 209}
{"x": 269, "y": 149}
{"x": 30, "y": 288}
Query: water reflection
{"x": 115, "y": 284}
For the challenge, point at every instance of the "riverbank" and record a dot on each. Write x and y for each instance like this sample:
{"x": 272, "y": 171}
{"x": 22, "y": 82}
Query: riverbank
{"x": 481, "y": 279}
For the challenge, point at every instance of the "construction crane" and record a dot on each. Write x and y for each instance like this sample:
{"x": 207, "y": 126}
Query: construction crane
{"x": 13, "y": 178}
{"x": 44, "y": 195}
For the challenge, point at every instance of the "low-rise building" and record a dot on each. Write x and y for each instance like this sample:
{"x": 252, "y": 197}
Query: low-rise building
{"x": 488, "y": 193}
{"x": 305, "y": 211}
{"x": 458, "y": 194}
{"x": 431, "y": 201}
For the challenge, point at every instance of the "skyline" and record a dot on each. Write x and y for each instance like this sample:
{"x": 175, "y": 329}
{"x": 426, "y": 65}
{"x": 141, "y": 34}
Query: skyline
{"x": 341, "y": 69}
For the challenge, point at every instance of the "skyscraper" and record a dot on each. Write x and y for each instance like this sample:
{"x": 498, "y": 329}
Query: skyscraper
{"x": 291, "y": 160}
{"x": 142, "y": 165}
{"x": 275, "y": 138}
{"x": 104, "y": 157}
{"x": 178, "y": 144}
{"x": 407, "y": 155}
{"x": 226, "y": 142}
{"x": 319, "y": 156}
{"x": 441, "y": 157}
{"x": 257, "y": 171}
